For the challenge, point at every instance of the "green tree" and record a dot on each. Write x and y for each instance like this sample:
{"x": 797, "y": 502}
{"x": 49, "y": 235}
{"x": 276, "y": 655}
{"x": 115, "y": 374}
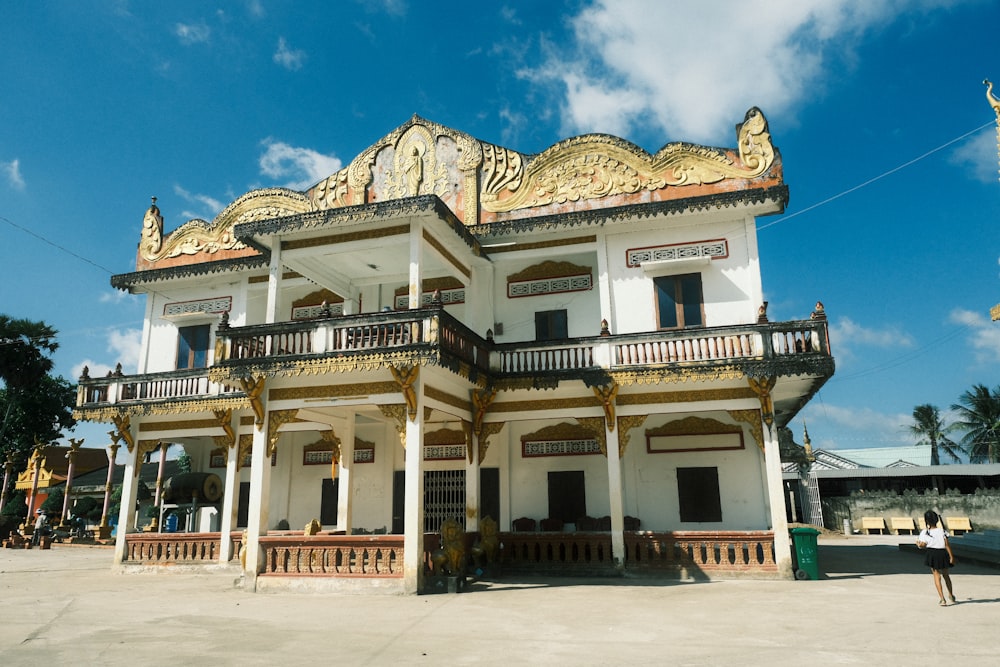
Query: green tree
{"x": 930, "y": 429}
{"x": 42, "y": 410}
{"x": 54, "y": 502}
{"x": 979, "y": 416}
{"x": 33, "y": 404}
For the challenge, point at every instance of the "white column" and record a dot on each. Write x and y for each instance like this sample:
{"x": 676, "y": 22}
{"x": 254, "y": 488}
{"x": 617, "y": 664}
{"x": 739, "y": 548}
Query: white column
{"x": 615, "y": 493}
{"x": 260, "y": 498}
{"x": 776, "y": 501}
{"x": 604, "y": 282}
{"x": 126, "y": 514}
{"x": 229, "y": 499}
{"x": 273, "y": 281}
{"x": 413, "y": 516}
{"x": 479, "y": 299}
{"x": 345, "y": 513}
{"x": 472, "y": 488}
{"x": 416, "y": 256}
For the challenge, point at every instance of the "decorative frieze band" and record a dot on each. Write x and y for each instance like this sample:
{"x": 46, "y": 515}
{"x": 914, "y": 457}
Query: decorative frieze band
{"x": 312, "y": 312}
{"x": 713, "y": 249}
{"x": 449, "y": 296}
{"x": 574, "y": 447}
{"x": 538, "y": 287}
{"x": 214, "y": 306}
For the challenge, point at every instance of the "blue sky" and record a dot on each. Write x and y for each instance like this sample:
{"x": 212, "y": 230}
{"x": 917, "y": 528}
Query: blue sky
{"x": 878, "y": 108}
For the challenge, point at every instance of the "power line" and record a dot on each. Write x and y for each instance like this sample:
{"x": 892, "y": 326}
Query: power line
{"x": 876, "y": 178}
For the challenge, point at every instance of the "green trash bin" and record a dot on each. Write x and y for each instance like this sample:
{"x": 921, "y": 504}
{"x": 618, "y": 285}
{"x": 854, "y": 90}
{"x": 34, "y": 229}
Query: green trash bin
{"x": 806, "y": 559}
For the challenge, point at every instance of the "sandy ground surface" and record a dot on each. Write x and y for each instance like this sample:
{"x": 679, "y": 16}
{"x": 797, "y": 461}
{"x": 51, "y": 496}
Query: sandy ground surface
{"x": 873, "y": 604}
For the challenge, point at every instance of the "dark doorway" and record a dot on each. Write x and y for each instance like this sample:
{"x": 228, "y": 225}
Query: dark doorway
{"x": 567, "y": 496}
{"x": 398, "y": 501}
{"x": 242, "y": 512}
{"x": 489, "y": 493}
{"x": 328, "y": 507}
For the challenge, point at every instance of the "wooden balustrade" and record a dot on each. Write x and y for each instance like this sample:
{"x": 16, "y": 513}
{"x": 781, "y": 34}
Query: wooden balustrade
{"x": 716, "y": 551}
{"x": 333, "y": 555}
{"x": 165, "y": 548}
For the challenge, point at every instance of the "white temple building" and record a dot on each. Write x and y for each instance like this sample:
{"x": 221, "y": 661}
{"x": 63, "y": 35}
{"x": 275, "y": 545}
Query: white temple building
{"x": 574, "y": 344}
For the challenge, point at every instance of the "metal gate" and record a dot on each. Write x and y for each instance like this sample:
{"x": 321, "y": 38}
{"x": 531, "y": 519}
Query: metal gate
{"x": 444, "y": 498}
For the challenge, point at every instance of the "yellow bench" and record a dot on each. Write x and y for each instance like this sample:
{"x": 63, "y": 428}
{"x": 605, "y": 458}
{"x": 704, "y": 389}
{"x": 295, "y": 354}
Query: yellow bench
{"x": 869, "y": 523}
{"x": 961, "y": 523}
{"x": 900, "y": 523}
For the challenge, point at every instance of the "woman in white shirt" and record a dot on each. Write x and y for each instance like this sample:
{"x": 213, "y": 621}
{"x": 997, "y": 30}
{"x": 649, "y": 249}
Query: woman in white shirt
{"x": 934, "y": 538}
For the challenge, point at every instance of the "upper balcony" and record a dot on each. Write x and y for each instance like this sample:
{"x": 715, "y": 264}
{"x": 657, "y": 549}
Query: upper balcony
{"x": 430, "y": 335}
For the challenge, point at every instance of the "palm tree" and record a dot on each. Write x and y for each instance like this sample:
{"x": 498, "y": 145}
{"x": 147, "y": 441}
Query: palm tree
{"x": 979, "y": 416}
{"x": 929, "y": 429}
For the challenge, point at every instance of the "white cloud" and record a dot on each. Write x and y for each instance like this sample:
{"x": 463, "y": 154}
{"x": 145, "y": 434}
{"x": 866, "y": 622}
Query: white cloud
{"x": 979, "y": 155}
{"x": 210, "y": 204}
{"x": 692, "y": 69}
{"x": 290, "y": 59}
{"x": 192, "y": 33}
{"x": 256, "y": 8}
{"x": 124, "y": 346}
{"x": 303, "y": 166}
{"x": 984, "y": 337}
{"x": 847, "y": 335}
{"x": 12, "y": 170}
{"x": 854, "y": 427}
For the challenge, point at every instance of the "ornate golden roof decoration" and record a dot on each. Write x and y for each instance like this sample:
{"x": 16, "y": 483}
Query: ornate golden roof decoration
{"x": 199, "y": 236}
{"x": 596, "y": 166}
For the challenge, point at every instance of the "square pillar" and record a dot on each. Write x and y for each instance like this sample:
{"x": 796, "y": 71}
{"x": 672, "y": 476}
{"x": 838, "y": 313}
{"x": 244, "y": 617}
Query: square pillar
{"x": 776, "y": 501}
{"x": 260, "y": 497}
{"x": 345, "y": 513}
{"x": 229, "y": 498}
{"x": 615, "y": 497}
{"x": 413, "y": 516}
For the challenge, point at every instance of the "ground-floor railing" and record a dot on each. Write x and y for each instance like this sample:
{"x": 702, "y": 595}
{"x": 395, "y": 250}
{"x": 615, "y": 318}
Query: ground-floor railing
{"x": 721, "y": 551}
{"x": 544, "y": 550}
{"x": 172, "y": 547}
{"x": 333, "y": 555}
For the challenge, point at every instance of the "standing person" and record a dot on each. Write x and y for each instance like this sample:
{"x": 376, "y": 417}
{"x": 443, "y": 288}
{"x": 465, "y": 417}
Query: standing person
{"x": 40, "y": 524}
{"x": 934, "y": 538}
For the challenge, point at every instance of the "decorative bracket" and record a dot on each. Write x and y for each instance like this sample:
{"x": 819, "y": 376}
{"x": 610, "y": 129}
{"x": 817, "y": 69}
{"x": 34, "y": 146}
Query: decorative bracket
{"x": 751, "y": 418}
{"x": 406, "y": 377}
{"x": 277, "y": 419}
{"x": 626, "y": 424}
{"x": 397, "y": 413}
{"x": 762, "y": 387}
{"x": 606, "y": 395}
{"x": 123, "y": 424}
{"x": 254, "y": 389}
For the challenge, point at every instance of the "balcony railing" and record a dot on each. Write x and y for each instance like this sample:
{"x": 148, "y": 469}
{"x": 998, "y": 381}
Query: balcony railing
{"x": 118, "y": 388}
{"x": 432, "y": 330}
{"x": 333, "y": 555}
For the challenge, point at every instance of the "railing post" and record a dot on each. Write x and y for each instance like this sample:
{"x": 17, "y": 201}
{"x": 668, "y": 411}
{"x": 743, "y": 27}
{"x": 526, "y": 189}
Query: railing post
{"x": 603, "y": 354}
{"x": 766, "y": 338}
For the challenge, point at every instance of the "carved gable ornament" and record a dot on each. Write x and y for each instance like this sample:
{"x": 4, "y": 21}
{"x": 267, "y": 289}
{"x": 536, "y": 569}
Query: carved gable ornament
{"x": 482, "y": 183}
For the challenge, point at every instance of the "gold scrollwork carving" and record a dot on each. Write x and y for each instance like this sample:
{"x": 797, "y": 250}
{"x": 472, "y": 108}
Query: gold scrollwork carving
{"x": 246, "y": 448}
{"x": 596, "y": 166}
{"x": 485, "y": 432}
{"x": 752, "y": 419}
{"x": 397, "y": 413}
{"x": 625, "y": 424}
{"x": 197, "y": 236}
{"x": 277, "y": 419}
{"x": 144, "y": 447}
{"x": 597, "y": 427}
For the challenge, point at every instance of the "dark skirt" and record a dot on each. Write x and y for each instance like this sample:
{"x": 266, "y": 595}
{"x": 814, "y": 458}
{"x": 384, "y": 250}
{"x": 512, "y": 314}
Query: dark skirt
{"x": 937, "y": 559}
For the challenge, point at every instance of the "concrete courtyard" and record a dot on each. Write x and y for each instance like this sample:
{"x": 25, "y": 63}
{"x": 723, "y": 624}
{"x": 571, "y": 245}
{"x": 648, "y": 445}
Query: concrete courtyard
{"x": 873, "y": 604}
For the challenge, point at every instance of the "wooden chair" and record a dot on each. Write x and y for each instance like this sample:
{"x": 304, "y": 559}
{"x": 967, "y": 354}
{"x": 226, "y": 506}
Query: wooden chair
{"x": 551, "y": 525}
{"x": 524, "y": 525}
